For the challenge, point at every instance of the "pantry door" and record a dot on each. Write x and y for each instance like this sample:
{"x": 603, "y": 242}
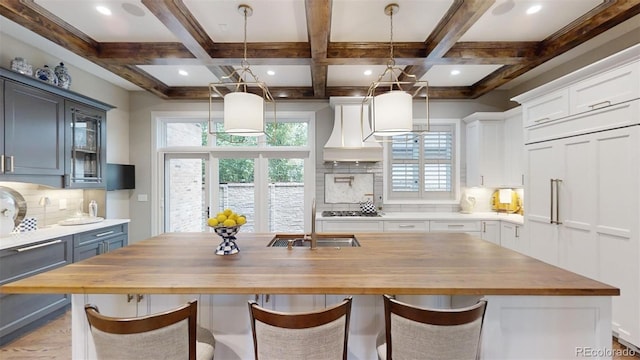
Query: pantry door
{"x": 186, "y": 192}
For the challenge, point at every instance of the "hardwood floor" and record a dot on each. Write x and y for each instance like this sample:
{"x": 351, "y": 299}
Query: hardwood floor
{"x": 53, "y": 341}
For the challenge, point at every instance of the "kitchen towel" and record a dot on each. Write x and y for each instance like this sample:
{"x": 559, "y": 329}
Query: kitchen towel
{"x": 504, "y": 196}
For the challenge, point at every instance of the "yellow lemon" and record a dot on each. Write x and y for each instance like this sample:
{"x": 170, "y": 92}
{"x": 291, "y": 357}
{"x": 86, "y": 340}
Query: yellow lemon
{"x": 241, "y": 220}
{"x": 212, "y": 222}
{"x": 229, "y": 223}
{"x": 233, "y": 216}
{"x": 221, "y": 218}
{"x": 228, "y": 212}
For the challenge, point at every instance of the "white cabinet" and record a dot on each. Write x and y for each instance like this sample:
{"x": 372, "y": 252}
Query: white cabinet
{"x": 609, "y": 88}
{"x": 546, "y": 108}
{"x": 581, "y": 194}
{"x": 491, "y": 231}
{"x": 349, "y": 226}
{"x": 406, "y": 225}
{"x": 513, "y": 159}
{"x": 511, "y": 237}
{"x": 484, "y": 152}
{"x": 469, "y": 226}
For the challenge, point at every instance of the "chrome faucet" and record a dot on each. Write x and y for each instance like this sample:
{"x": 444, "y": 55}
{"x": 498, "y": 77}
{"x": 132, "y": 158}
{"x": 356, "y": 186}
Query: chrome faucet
{"x": 314, "y": 236}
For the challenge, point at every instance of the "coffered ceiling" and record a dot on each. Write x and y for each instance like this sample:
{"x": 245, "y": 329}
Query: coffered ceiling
{"x": 314, "y": 49}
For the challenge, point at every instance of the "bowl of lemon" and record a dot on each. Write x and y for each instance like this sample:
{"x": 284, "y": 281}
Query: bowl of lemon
{"x": 226, "y": 224}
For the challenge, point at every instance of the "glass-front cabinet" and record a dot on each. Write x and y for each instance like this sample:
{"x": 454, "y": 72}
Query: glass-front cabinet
{"x": 85, "y": 140}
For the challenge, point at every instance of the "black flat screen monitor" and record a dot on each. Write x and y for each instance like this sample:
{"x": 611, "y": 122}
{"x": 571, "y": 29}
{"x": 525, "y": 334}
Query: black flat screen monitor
{"x": 121, "y": 177}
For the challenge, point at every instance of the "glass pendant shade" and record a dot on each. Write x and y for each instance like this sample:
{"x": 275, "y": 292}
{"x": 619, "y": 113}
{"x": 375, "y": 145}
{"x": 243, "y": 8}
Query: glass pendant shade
{"x": 243, "y": 114}
{"x": 393, "y": 113}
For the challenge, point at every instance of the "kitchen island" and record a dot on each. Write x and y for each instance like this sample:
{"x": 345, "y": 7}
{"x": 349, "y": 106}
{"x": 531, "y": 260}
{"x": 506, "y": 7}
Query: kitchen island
{"x": 535, "y": 310}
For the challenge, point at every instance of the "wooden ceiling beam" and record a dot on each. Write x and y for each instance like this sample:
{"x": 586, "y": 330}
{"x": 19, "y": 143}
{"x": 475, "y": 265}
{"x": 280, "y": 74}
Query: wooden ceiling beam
{"x": 142, "y": 53}
{"x": 318, "y": 27}
{"x": 179, "y": 20}
{"x": 602, "y": 18}
{"x": 461, "y": 16}
{"x": 34, "y": 17}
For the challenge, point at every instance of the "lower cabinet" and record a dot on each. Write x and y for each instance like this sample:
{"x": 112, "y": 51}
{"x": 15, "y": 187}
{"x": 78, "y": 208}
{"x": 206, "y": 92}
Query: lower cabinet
{"x": 23, "y": 312}
{"x": 511, "y": 237}
{"x": 409, "y": 226}
{"x": 350, "y": 226}
{"x": 491, "y": 231}
{"x": 100, "y": 241}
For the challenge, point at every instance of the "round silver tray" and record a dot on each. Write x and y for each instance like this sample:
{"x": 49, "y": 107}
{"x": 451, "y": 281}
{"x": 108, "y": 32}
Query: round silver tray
{"x": 12, "y": 204}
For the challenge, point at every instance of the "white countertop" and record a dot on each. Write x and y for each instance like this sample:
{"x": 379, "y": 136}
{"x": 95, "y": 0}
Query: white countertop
{"x": 53, "y": 231}
{"x": 513, "y": 218}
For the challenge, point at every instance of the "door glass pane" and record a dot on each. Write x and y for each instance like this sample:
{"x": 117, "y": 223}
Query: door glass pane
{"x": 236, "y": 190}
{"x": 186, "y": 134}
{"x": 286, "y": 195}
{"x": 185, "y": 198}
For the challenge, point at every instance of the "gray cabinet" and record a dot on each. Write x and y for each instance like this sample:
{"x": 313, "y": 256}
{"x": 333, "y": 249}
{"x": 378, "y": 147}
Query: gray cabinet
{"x": 33, "y": 132}
{"x": 34, "y": 117}
{"x": 23, "y": 312}
{"x": 85, "y": 148}
{"x": 100, "y": 241}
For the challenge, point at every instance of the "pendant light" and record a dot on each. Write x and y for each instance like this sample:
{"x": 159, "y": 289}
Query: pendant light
{"x": 244, "y": 96}
{"x": 392, "y": 111}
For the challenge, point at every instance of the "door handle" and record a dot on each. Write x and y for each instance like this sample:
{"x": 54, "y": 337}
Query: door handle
{"x": 555, "y": 188}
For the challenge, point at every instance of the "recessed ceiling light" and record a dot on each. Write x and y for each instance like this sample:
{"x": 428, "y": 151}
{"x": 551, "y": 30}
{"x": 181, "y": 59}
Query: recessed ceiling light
{"x": 534, "y": 9}
{"x": 183, "y": 72}
{"x": 271, "y": 72}
{"x": 455, "y": 72}
{"x": 367, "y": 72}
{"x": 103, "y": 10}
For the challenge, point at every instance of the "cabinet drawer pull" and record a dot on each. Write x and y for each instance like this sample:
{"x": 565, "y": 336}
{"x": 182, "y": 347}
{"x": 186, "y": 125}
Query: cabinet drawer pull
{"x": 517, "y": 232}
{"x": 2, "y": 163}
{"x": 129, "y": 298}
{"x": 484, "y": 227}
{"x": 406, "y": 226}
{"x": 543, "y": 119}
{"x": 105, "y": 233}
{"x": 455, "y": 225}
{"x": 11, "y": 169}
{"x": 139, "y": 297}
{"x": 39, "y": 245}
{"x": 605, "y": 103}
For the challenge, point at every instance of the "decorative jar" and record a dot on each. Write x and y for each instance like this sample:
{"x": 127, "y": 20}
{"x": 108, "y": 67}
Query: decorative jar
{"x": 64, "y": 79}
{"x": 22, "y": 66}
{"x": 47, "y": 75}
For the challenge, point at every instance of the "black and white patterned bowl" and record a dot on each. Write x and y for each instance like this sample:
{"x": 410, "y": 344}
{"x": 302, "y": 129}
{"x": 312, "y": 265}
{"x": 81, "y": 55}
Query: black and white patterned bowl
{"x": 226, "y": 231}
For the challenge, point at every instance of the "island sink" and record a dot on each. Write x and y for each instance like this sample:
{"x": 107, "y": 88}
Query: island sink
{"x": 324, "y": 240}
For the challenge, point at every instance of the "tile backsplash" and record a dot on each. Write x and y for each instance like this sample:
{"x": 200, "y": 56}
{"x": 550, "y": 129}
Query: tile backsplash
{"x": 64, "y": 203}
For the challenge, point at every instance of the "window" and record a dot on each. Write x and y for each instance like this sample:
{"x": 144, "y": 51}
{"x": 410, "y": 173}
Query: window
{"x": 268, "y": 178}
{"x": 423, "y": 167}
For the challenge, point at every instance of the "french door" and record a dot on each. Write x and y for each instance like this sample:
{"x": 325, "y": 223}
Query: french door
{"x": 186, "y": 196}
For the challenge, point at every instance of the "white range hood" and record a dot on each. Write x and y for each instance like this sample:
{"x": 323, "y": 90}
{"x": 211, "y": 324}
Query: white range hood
{"x": 345, "y": 143}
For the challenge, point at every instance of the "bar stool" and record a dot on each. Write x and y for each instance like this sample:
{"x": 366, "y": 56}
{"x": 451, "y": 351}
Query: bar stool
{"x": 321, "y": 335}
{"x": 418, "y": 333}
{"x": 173, "y": 334}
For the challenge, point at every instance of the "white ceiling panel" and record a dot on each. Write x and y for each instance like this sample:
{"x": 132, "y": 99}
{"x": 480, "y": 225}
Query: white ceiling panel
{"x": 507, "y": 20}
{"x": 365, "y": 20}
{"x": 129, "y": 21}
{"x": 271, "y": 21}
{"x": 441, "y": 75}
{"x": 353, "y": 75}
{"x": 284, "y": 75}
{"x": 170, "y": 74}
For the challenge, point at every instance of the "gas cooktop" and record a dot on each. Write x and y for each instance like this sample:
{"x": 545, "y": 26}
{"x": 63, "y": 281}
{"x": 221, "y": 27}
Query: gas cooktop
{"x": 330, "y": 213}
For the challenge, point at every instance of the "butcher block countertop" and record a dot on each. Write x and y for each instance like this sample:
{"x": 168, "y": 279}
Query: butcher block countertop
{"x": 406, "y": 263}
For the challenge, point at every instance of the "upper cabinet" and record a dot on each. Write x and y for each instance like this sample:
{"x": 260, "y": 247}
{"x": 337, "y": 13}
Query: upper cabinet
{"x": 494, "y": 149}
{"x": 33, "y": 132}
{"x": 584, "y": 101}
{"x": 85, "y": 151}
{"x": 49, "y": 135}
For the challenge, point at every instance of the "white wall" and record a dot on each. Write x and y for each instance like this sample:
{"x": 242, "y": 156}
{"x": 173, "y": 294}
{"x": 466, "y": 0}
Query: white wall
{"x": 94, "y": 87}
